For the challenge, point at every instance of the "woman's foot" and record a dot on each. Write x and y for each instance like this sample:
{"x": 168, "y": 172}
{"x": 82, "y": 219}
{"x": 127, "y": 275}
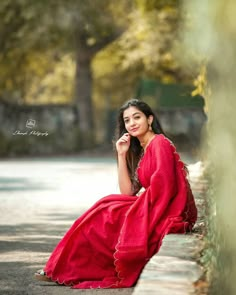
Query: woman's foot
{"x": 40, "y": 275}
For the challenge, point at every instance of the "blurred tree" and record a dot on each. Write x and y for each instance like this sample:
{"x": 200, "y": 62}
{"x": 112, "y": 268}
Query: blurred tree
{"x": 123, "y": 41}
{"x": 150, "y": 47}
{"x": 25, "y": 39}
{"x": 50, "y": 29}
{"x": 212, "y": 36}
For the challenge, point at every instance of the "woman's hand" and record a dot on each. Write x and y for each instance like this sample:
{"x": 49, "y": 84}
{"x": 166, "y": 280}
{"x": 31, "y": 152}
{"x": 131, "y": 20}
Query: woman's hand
{"x": 122, "y": 144}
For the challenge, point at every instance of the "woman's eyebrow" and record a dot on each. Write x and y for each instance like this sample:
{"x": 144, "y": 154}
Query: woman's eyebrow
{"x": 136, "y": 113}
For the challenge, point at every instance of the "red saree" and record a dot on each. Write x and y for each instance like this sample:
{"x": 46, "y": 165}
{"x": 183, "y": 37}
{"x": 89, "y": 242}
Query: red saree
{"x": 108, "y": 246}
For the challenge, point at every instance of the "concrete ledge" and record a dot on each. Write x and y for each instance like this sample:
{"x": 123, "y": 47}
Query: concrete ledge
{"x": 174, "y": 269}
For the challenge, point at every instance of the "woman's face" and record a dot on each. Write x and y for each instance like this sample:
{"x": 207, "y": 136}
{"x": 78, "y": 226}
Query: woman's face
{"x": 136, "y": 123}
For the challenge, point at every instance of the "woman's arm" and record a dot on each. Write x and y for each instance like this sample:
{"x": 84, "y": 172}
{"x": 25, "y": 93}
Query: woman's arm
{"x": 122, "y": 146}
{"x": 124, "y": 181}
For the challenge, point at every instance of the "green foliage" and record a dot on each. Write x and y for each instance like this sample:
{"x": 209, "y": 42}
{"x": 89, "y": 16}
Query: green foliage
{"x": 148, "y": 44}
{"x": 37, "y": 35}
{"x": 210, "y": 252}
{"x": 27, "y": 36}
{"x": 216, "y": 44}
{"x": 149, "y": 5}
{"x": 149, "y": 48}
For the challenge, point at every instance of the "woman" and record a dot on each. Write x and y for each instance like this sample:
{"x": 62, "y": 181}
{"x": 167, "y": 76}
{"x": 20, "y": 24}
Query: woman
{"x": 108, "y": 246}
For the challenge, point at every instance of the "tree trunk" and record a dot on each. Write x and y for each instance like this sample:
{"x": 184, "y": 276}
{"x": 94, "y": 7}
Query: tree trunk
{"x": 83, "y": 97}
{"x": 83, "y": 85}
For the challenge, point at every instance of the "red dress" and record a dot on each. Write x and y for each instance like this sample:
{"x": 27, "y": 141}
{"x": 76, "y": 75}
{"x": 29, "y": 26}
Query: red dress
{"x": 108, "y": 246}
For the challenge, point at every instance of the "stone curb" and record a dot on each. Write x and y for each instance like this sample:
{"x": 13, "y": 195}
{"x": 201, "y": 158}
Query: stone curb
{"x": 174, "y": 269}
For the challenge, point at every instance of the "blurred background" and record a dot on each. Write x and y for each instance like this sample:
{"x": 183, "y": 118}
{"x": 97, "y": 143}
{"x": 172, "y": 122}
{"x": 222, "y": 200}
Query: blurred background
{"x": 67, "y": 66}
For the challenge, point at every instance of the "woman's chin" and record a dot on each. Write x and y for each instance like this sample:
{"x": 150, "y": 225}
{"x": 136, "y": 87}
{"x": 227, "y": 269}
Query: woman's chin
{"x": 135, "y": 134}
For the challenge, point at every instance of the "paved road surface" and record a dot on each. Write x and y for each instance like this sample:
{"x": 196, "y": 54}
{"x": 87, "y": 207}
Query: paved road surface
{"x": 39, "y": 201}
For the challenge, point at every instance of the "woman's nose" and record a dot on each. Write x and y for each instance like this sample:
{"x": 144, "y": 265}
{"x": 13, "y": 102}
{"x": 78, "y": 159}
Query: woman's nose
{"x": 132, "y": 122}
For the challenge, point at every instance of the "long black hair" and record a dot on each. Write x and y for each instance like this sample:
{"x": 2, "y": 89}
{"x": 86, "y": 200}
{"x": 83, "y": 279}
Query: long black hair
{"x": 135, "y": 150}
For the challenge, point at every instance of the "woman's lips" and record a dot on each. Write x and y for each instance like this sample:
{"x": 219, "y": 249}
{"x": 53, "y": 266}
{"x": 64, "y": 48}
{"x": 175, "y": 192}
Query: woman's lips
{"x": 134, "y": 129}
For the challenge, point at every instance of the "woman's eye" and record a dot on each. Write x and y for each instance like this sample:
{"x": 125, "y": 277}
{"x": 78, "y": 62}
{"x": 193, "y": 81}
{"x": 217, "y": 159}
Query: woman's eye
{"x": 137, "y": 117}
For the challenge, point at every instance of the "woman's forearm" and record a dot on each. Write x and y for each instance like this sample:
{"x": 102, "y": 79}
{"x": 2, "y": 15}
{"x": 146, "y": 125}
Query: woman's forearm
{"x": 124, "y": 181}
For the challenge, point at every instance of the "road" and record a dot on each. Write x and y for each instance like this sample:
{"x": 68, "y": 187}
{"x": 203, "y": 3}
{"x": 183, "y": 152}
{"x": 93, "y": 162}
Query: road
{"x": 40, "y": 198}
